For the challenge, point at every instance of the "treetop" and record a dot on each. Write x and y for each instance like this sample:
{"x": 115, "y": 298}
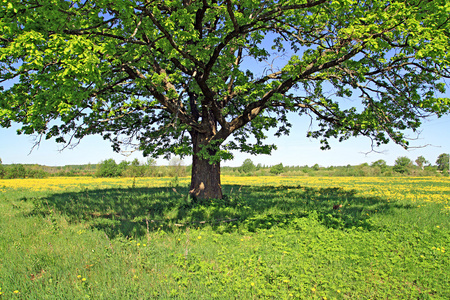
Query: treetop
{"x": 151, "y": 74}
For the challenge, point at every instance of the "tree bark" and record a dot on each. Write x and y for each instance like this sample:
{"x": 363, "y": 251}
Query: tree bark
{"x": 205, "y": 177}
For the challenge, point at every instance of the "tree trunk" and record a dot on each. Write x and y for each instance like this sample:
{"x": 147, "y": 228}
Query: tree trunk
{"x": 205, "y": 178}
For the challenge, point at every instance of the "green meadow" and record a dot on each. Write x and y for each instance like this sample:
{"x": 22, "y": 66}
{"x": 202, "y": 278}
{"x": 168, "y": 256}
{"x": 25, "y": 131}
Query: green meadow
{"x": 297, "y": 240}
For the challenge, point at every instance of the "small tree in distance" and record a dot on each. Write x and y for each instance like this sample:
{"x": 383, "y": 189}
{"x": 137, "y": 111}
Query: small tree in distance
{"x": 247, "y": 166}
{"x": 109, "y": 168}
{"x": 421, "y": 161}
{"x": 381, "y": 163}
{"x": 2, "y": 169}
{"x": 442, "y": 162}
{"x": 277, "y": 169}
{"x": 402, "y": 165}
{"x": 192, "y": 78}
{"x": 135, "y": 169}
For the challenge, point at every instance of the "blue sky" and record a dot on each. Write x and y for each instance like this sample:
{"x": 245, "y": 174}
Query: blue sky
{"x": 295, "y": 149}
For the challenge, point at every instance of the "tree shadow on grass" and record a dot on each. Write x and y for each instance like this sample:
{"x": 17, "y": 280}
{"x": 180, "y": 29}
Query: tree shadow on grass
{"x": 137, "y": 211}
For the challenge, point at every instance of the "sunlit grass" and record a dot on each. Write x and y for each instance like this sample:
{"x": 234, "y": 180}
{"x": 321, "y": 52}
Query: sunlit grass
{"x": 272, "y": 237}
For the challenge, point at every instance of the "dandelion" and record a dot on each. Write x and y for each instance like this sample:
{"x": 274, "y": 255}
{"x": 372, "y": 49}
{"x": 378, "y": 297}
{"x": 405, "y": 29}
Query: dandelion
{"x": 83, "y": 279}
{"x": 79, "y": 276}
{"x": 313, "y": 290}
{"x": 199, "y": 237}
{"x": 138, "y": 244}
{"x": 144, "y": 245}
{"x": 252, "y": 284}
{"x": 16, "y": 292}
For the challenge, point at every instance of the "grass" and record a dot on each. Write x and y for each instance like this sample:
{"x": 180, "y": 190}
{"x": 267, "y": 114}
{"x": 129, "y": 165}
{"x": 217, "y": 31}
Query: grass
{"x": 270, "y": 238}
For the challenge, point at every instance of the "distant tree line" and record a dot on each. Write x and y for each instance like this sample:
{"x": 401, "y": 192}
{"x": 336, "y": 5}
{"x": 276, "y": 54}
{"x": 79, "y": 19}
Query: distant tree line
{"x": 110, "y": 168}
{"x": 403, "y": 166}
{"x": 21, "y": 171}
{"x": 39, "y": 171}
{"x": 106, "y": 168}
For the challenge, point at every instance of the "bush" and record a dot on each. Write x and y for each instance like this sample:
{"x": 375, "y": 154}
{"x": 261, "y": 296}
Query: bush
{"x": 277, "y": 169}
{"x": 247, "y": 166}
{"x": 403, "y": 165}
{"x": 16, "y": 171}
{"x": 135, "y": 169}
{"x": 443, "y": 162}
{"x": 109, "y": 168}
{"x": 2, "y": 169}
{"x": 20, "y": 171}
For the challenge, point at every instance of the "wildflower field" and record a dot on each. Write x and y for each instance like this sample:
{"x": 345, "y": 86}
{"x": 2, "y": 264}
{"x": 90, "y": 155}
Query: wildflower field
{"x": 269, "y": 238}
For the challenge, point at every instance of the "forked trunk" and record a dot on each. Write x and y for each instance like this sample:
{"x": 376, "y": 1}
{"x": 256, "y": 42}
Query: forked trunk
{"x": 205, "y": 179}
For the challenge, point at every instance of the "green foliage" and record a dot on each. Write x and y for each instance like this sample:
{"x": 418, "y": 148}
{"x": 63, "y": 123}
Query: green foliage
{"x": 150, "y": 169}
{"x": 109, "y": 168}
{"x": 403, "y": 165}
{"x": 2, "y": 169}
{"x": 379, "y": 163}
{"x": 16, "y": 171}
{"x": 442, "y": 162}
{"x": 247, "y": 166}
{"x": 22, "y": 171}
{"x": 421, "y": 161}
{"x": 377, "y": 168}
{"x": 134, "y": 169}
{"x": 191, "y": 77}
{"x": 277, "y": 169}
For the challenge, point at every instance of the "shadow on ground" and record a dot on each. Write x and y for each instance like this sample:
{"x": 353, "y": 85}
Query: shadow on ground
{"x": 136, "y": 211}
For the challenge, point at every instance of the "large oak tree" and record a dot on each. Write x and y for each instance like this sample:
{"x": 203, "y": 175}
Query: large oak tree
{"x": 203, "y": 77}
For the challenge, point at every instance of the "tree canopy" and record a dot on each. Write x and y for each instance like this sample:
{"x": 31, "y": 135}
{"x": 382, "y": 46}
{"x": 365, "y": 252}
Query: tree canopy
{"x": 443, "y": 162}
{"x": 206, "y": 77}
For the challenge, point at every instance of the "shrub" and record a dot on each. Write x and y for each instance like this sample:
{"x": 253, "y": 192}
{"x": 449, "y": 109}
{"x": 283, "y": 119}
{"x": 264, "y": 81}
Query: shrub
{"x": 16, "y": 171}
{"x": 403, "y": 165}
{"x": 108, "y": 168}
{"x": 247, "y": 166}
{"x": 135, "y": 169}
{"x": 277, "y": 169}
{"x": 2, "y": 169}
{"x": 443, "y": 162}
